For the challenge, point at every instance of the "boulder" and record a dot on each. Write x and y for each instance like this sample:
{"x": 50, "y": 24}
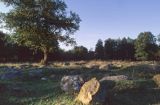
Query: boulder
{"x": 103, "y": 94}
{"x": 156, "y": 79}
{"x": 71, "y": 83}
{"x": 107, "y": 83}
{"x": 114, "y": 78}
{"x": 92, "y": 66}
{"x": 88, "y": 89}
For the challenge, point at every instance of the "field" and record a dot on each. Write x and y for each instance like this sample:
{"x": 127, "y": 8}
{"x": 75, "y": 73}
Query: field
{"x": 140, "y": 89}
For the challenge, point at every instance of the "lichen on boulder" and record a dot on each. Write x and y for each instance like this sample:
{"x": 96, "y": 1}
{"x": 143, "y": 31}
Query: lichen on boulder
{"x": 88, "y": 89}
{"x": 156, "y": 79}
{"x": 71, "y": 83}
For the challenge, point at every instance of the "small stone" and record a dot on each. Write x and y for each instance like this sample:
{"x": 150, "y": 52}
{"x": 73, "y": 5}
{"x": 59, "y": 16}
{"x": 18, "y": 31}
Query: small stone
{"x": 44, "y": 78}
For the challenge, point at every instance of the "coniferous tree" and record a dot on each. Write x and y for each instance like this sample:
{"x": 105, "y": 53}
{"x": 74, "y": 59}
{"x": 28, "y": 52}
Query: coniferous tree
{"x": 109, "y": 48}
{"x": 99, "y": 50}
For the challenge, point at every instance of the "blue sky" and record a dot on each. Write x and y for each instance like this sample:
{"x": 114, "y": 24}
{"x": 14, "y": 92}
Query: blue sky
{"x": 102, "y": 19}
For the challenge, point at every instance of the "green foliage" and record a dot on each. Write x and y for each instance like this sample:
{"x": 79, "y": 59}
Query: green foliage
{"x": 80, "y": 52}
{"x": 109, "y": 48}
{"x": 158, "y": 38}
{"x": 99, "y": 50}
{"x": 40, "y": 24}
{"x": 2, "y": 40}
{"x": 145, "y": 46}
{"x": 119, "y": 49}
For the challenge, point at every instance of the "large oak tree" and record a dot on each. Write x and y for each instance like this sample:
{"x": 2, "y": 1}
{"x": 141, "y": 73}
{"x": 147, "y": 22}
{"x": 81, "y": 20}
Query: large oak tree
{"x": 41, "y": 24}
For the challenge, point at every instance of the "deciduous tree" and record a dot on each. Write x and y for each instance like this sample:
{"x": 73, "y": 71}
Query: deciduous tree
{"x": 41, "y": 24}
{"x": 145, "y": 46}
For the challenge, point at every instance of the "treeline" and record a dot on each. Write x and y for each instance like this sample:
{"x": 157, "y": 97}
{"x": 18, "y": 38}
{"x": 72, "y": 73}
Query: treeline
{"x": 145, "y": 47}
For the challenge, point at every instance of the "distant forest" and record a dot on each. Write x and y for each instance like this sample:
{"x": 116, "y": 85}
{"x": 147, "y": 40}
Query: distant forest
{"x": 145, "y": 47}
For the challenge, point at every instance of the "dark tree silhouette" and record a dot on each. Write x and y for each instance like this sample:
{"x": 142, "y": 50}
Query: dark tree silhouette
{"x": 99, "y": 50}
{"x": 109, "y": 48}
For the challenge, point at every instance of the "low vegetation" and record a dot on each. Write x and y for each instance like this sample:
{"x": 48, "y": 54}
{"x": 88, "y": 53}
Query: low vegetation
{"x": 140, "y": 89}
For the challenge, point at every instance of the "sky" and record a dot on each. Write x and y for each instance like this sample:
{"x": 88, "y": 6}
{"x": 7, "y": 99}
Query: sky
{"x": 102, "y": 19}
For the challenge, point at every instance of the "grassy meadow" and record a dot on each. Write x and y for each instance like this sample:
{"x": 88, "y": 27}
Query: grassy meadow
{"x": 140, "y": 89}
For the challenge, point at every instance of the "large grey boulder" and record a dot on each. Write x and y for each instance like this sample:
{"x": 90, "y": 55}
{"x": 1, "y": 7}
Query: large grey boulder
{"x": 106, "y": 85}
{"x": 71, "y": 83}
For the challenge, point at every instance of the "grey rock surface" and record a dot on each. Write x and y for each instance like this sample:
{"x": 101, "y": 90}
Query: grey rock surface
{"x": 71, "y": 83}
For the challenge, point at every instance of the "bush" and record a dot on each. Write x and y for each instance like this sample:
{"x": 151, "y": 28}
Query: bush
{"x": 156, "y": 79}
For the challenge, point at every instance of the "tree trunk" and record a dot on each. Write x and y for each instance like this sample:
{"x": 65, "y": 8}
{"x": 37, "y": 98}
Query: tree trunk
{"x": 44, "y": 61}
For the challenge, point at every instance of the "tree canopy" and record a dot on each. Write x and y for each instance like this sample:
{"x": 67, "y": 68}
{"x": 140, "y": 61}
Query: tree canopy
{"x": 41, "y": 24}
{"x": 99, "y": 50}
{"x": 145, "y": 46}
